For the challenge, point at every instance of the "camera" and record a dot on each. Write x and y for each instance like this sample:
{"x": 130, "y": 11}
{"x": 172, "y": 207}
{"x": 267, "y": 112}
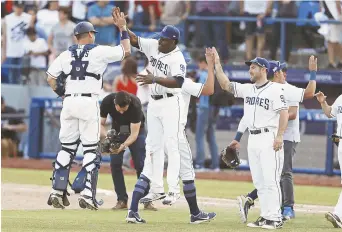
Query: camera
{"x": 111, "y": 142}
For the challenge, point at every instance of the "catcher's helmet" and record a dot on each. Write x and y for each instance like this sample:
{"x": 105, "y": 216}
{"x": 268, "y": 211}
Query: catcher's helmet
{"x": 84, "y": 27}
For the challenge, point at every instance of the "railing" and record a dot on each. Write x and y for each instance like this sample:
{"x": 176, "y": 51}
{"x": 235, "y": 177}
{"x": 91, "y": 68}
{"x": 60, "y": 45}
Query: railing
{"x": 282, "y": 22}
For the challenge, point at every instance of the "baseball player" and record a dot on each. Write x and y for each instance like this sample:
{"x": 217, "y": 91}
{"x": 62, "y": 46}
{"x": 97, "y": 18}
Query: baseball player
{"x": 293, "y": 96}
{"x": 187, "y": 173}
{"x": 266, "y": 117}
{"x": 82, "y": 65}
{"x": 334, "y": 111}
{"x": 167, "y": 66}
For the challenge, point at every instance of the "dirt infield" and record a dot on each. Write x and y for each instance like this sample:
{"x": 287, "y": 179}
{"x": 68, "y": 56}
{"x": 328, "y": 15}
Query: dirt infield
{"x": 232, "y": 175}
{"x": 33, "y": 197}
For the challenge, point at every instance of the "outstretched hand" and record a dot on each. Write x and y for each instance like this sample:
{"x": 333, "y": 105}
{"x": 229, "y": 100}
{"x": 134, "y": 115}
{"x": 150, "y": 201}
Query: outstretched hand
{"x": 313, "y": 63}
{"x": 320, "y": 97}
{"x": 145, "y": 79}
{"x": 210, "y": 56}
{"x": 216, "y": 55}
{"x": 119, "y": 18}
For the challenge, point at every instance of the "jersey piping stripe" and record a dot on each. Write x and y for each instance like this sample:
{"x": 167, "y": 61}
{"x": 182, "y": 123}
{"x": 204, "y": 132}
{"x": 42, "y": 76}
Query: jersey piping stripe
{"x": 51, "y": 75}
{"x": 190, "y": 154}
{"x": 258, "y": 96}
{"x": 234, "y": 86}
{"x": 277, "y": 170}
{"x": 180, "y": 160}
{"x": 98, "y": 122}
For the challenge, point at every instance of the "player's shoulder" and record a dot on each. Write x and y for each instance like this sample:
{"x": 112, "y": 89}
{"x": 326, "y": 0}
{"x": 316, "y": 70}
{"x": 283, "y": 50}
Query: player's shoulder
{"x": 339, "y": 99}
{"x": 277, "y": 86}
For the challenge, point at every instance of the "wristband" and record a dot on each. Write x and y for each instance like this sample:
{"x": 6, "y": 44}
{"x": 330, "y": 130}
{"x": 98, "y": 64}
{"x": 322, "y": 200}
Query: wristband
{"x": 124, "y": 35}
{"x": 238, "y": 136}
{"x": 312, "y": 75}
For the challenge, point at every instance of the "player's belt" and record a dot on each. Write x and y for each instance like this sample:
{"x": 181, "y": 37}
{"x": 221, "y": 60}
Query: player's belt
{"x": 158, "y": 97}
{"x": 258, "y": 131}
{"x": 79, "y": 94}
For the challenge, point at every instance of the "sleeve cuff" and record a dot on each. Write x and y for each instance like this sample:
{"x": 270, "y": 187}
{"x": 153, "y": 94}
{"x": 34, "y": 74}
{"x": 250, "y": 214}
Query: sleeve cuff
{"x": 199, "y": 92}
{"x": 51, "y": 75}
{"x": 279, "y": 109}
{"x": 139, "y": 43}
{"x": 301, "y": 100}
{"x": 123, "y": 52}
{"x": 234, "y": 86}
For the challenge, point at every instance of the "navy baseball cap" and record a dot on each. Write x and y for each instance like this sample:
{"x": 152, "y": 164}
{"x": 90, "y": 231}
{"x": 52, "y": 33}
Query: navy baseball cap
{"x": 262, "y": 62}
{"x": 170, "y": 32}
{"x": 276, "y": 66}
{"x": 84, "y": 27}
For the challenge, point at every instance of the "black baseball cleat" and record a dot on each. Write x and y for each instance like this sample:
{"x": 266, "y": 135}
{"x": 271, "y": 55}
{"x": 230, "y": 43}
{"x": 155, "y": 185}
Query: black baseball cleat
{"x": 334, "y": 219}
{"x": 272, "y": 225}
{"x": 56, "y": 200}
{"x": 244, "y": 204}
{"x": 258, "y": 223}
{"x": 202, "y": 217}
{"x": 133, "y": 217}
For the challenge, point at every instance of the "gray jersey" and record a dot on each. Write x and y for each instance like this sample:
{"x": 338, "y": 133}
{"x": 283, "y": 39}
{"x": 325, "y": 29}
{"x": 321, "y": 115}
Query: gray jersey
{"x": 63, "y": 36}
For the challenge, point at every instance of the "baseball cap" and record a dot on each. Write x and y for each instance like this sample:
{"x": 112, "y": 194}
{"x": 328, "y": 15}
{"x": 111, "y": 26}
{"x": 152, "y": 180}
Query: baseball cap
{"x": 19, "y": 4}
{"x": 170, "y": 32}
{"x": 84, "y": 27}
{"x": 262, "y": 62}
{"x": 276, "y": 66}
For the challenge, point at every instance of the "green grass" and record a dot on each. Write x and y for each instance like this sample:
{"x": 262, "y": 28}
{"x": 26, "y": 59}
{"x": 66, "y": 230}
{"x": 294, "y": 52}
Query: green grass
{"x": 164, "y": 220}
{"x": 208, "y": 188}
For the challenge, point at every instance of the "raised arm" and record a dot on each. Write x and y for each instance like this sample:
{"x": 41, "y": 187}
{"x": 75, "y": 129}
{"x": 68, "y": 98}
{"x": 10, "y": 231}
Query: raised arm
{"x": 208, "y": 87}
{"x": 321, "y": 98}
{"x": 221, "y": 76}
{"x": 311, "y": 87}
{"x": 120, "y": 22}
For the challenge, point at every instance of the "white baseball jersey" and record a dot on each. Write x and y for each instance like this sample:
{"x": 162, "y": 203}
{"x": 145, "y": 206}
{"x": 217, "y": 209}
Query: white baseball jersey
{"x": 293, "y": 96}
{"x": 189, "y": 88}
{"x": 261, "y": 104}
{"x": 162, "y": 65}
{"x": 95, "y": 61}
{"x": 336, "y": 111}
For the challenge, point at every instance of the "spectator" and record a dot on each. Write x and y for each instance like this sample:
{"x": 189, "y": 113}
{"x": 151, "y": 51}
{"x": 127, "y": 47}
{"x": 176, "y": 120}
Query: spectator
{"x": 255, "y": 9}
{"x": 37, "y": 49}
{"x": 47, "y": 18}
{"x": 14, "y": 27}
{"x": 286, "y": 9}
{"x": 175, "y": 13}
{"x": 79, "y": 10}
{"x": 206, "y": 123}
{"x": 126, "y": 81}
{"x": 333, "y": 10}
{"x": 100, "y": 15}
{"x": 40, "y": 32}
{"x": 62, "y": 34}
{"x": 10, "y": 126}
{"x": 150, "y": 14}
{"x": 213, "y": 32}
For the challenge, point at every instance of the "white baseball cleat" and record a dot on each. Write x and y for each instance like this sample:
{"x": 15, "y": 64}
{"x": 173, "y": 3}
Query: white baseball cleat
{"x": 171, "y": 198}
{"x": 152, "y": 197}
{"x": 334, "y": 219}
{"x": 244, "y": 204}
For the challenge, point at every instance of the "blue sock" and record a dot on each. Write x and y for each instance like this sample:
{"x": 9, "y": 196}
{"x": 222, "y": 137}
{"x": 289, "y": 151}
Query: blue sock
{"x": 189, "y": 191}
{"x": 253, "y": 194}
{"x": 139, "y": 191}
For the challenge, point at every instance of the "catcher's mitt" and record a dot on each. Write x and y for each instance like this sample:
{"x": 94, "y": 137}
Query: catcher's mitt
{"x": 335, "y": 139}
{"x": 230, "y": 156}
{"x": 60, "y": 90}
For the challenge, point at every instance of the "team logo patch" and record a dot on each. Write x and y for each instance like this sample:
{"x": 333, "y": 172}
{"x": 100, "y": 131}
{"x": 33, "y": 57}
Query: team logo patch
{"x": 182, "y": 68}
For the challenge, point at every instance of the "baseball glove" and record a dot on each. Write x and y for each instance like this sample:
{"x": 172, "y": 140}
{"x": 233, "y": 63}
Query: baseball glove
{"x": 230, "y": 156}
{"x": 61, "y": 79}
{"x": 335, "y": 139}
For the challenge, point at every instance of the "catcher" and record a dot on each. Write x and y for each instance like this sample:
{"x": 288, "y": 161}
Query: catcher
{"x": 128, "y": 131}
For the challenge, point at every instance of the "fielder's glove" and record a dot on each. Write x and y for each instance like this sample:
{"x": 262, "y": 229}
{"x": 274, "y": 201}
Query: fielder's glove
{"x": 61, "y": 79}
{"x": 230, "y": 156}
{"x": 335, "y": 139}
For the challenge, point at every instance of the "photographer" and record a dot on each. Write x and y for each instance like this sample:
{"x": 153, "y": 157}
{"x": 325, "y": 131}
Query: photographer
{"x": 128, "y": 121}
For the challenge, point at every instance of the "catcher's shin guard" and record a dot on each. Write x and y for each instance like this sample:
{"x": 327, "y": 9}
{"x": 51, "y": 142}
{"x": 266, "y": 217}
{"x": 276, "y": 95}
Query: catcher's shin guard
{"x": 88, "y": 176}
{"x": 61, "y": 170}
